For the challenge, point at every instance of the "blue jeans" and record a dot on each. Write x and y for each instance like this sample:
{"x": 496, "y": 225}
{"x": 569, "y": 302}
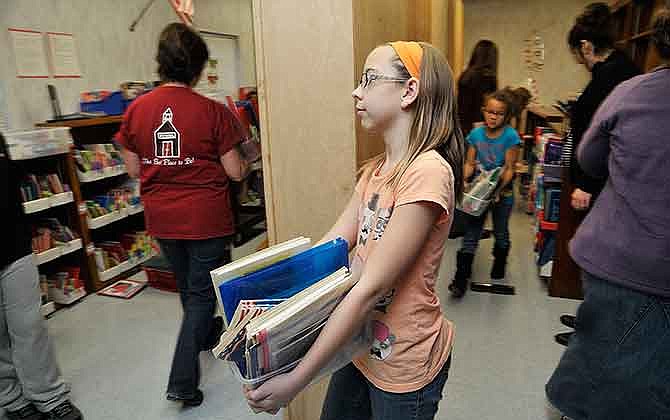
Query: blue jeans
{"x": 501, "y": 212}
{"x": 617, "y": 365}
{"x": 191, "y": 261}
{"x": 352, "y": 397}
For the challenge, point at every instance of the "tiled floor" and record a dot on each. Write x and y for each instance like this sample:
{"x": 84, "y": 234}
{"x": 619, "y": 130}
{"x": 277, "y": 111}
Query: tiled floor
{"x": 116, "y": 353}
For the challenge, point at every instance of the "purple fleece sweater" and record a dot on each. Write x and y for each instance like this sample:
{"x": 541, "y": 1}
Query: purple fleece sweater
{"x": 626, "y": 236}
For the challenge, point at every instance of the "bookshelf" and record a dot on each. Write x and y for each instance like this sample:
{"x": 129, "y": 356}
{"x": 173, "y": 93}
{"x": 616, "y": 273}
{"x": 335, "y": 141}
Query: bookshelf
{"x": 86, "y": 185}
{"x": 632, "y": 29}
{"x": 50, "y": 206}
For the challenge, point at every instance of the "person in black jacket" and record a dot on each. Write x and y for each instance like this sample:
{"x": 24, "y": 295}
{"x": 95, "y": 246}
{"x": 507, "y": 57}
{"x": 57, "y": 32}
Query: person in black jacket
{"x": 479, "y": 79}
{"x": 591, "y": 40}
{"x": 31, "y": 387}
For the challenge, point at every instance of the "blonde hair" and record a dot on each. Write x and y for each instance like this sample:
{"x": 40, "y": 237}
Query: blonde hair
{"x": 435, "y": 125}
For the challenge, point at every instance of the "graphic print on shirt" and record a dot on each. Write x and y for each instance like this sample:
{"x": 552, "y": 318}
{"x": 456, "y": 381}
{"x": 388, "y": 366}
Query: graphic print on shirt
{"x": 166, "y": 138}
{"x": 491, "y": 154}
{"x": 383, "y": 217}
{"x": 368, "y": 218}
{"x": 382, "y": 345}
{"x": 383, "y": 303}
{"x": 374, "y": 220}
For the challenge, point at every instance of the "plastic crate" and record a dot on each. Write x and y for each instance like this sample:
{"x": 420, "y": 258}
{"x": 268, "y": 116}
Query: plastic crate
{"x": 473, "y": 205}
{"x": 114, "y": 104}
{"x": 161, "y": 279}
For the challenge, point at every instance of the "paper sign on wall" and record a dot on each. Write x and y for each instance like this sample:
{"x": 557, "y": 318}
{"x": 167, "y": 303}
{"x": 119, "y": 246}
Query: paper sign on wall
{"x": 29, "y": 54}
{"x": 63, "y": 55}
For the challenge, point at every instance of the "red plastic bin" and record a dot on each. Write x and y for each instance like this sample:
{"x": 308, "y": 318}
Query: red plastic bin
{"x": 161, "y": 279}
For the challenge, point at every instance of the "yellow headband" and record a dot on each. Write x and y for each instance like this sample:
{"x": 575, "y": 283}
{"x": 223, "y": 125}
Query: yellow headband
{"x": 410, "y": 53}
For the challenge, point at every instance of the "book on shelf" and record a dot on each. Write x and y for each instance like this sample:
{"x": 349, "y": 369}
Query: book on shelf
{"x": 277, "y": 305}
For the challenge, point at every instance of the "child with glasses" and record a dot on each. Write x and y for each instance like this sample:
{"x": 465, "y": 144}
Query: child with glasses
{"x": 493, "y": 145}
{"x": 398, "y": 219}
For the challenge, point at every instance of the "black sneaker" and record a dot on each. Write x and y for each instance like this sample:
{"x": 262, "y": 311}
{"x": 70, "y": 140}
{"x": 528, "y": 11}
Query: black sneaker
{"x": 568, "y": 320}
{"x": 65, "y": 411}
{"x": 193, "y": 401}
{"x": 28, "y": 412}
{"x": 563, "y": 338}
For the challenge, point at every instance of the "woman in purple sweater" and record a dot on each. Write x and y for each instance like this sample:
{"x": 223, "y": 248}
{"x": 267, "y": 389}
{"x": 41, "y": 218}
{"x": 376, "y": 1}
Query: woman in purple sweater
{"x": 617, "y": 366}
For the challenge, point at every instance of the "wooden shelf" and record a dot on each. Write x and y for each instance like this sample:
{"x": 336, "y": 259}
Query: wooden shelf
{"x": 96, "y": 175}
{"x": 84, "y": 122}
{"x": 117, "y": 270}
{"x": 42, "y": 204}
{"x": 47, "y": 309}
{"x": 62, "y": 298}
{"x": 641, "y": 36}
{"x": 58, "y": 251}
{"x": 633, "y": 22}
{"x": 115, "y": 216}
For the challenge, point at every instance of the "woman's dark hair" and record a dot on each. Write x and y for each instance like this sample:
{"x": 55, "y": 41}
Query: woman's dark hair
{"x": 515, "y": 101}
{"x": 484, "y": 57}
{"x": 182, "y": 54}
{"x": 661, "y": 34}
{"x": 594, "y": 25}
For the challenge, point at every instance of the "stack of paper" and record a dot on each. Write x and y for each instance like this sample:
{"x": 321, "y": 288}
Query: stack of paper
{"x": 276, "y": 302}
{"x": 281, "y": 336}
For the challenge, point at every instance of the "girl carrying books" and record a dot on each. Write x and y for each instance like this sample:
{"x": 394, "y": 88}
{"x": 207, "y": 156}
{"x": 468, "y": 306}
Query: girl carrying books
{"x": 493, "y": 145}
{"x": 399, "y": 218}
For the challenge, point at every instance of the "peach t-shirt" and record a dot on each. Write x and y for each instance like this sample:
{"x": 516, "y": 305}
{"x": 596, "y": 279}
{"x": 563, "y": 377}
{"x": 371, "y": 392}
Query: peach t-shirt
{"x": 412, "y": 339}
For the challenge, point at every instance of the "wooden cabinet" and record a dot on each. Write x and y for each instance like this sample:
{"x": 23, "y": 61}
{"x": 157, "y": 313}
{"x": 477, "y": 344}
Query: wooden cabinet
{"x": 632, "y": 28}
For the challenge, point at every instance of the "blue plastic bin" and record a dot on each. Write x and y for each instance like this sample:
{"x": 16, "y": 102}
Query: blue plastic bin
{"x": 114, "y": 104}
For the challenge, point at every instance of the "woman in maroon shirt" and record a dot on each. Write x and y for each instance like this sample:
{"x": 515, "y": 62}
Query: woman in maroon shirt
{"x": 182, "y": 147}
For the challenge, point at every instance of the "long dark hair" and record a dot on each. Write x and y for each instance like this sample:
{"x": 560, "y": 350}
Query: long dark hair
{"x": 484, "y": 57}
{"x": 594, "y": 25}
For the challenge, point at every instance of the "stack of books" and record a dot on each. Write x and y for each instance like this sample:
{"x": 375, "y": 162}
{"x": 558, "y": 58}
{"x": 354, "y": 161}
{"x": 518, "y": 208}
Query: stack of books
{"x": 276, "y": 302}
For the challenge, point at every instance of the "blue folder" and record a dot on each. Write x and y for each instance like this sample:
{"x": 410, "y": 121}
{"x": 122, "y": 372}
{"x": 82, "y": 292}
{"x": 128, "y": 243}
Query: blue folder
{"x": 287, "y": 277}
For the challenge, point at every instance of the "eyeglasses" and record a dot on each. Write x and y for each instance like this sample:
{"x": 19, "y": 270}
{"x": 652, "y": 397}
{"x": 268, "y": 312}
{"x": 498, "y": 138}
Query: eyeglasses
{"x": 370, "y": 76}
{"x": 496, "y": 113}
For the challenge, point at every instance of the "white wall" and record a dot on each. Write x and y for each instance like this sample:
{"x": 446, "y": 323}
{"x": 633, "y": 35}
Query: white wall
{"x": 509, "y": 22}
{"x": 234, "y": 17}
{"x": 108, "y": 52}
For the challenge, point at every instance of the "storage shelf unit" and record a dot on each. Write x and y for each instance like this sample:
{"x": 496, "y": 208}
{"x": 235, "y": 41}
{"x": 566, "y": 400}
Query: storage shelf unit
{"x": 93, "y": 131}
{"x": 36, "y": 150}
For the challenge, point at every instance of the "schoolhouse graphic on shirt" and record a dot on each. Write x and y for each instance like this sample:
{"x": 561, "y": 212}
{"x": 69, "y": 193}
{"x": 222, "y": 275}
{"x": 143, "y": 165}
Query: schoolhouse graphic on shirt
{"x": 166, "y": 138}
